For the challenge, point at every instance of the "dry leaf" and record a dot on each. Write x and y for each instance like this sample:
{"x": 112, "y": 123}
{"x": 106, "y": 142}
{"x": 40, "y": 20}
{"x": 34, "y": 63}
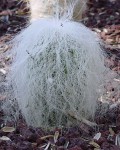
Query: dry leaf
{"x": 97, "y": 149}
{"x": 117, "y": 80}
{"x": 2, "y": 97}
{"x": 66, "y": 145}
{"x": 34, "y": 144}
{"x": 111, "y": 132}
{"x": 117, "y": 140}
{"x": 56, "y": 135}
{"x": 94, "y": 144}
{"x": 20, "y": 12}
{"x": 5, "y": 138}
{"x": 8, "y": 129}
{"x": 6, "y": 12}
{"x": 3, "y": 71}
{"x": 4, "y": 48}
{"x": 48, "y": 145}
{"x": 97, "y": 136}
{"x": 43, "y": 146}
{"x": 47, "y": 136}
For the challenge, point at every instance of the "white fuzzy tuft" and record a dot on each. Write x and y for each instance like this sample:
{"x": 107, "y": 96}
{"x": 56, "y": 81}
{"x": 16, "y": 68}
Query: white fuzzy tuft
{"x": 58, "y": 70}
{"x": 70, "y": 9}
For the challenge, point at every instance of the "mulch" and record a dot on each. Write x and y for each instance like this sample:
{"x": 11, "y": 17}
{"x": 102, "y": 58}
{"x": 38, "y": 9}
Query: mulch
{"x": 103, "y": 17}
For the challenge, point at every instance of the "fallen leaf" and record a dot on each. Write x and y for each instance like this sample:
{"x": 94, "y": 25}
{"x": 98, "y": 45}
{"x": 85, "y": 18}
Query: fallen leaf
{"x": 45, "y": 137}
{"x": 5, "y": 138}
{"x": 111, "y": 132}
{"x": 97, "y": 136}
{"x": 56, "y": 135}
{"x": 34, "y": 144}
{"x": 94, "y": 144}
{"x": 6, "y": 12}
{"x": 2, "y": 97}
{"x": 66, "y": 145}
{"x": 8, "y": 129}
{"x": 3, "y": 71}
{"x": 117, "y": 140}
{"x": 48, "y": 145}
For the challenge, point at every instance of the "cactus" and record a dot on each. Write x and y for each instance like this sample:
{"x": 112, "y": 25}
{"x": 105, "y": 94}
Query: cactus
{"x": 58, "y": 70}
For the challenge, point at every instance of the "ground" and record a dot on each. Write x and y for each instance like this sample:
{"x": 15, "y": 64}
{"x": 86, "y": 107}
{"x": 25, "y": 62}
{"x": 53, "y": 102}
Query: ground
{"x": 103, "y": 17}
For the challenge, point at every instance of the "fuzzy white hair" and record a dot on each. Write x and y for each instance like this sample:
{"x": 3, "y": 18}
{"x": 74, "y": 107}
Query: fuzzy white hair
{"x": 72, "y": 9}
{"x": 57, "y": 71}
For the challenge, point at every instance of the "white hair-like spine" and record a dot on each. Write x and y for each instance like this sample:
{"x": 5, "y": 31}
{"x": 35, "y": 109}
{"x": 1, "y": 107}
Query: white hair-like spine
{"x": 66, "y": 9}
{"x": 58, "y": 70}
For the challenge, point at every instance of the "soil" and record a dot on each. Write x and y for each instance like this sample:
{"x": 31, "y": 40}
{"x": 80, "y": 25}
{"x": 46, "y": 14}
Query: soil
{"x": 103, "y": 17}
